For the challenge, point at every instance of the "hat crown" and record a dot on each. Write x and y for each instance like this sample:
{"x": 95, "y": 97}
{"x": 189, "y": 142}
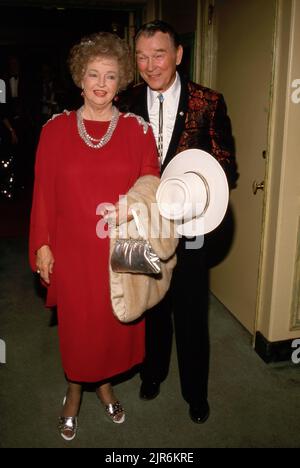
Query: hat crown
{"x": 183, "y": 197}
{"x": 193, "y": 192}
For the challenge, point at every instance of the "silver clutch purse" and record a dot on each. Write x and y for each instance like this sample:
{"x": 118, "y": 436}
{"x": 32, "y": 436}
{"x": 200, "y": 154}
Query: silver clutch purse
{"x": 135, "y": 255}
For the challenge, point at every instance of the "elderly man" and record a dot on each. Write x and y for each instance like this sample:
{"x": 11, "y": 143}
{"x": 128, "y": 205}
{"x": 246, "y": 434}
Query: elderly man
{"x": 183, "y": 115}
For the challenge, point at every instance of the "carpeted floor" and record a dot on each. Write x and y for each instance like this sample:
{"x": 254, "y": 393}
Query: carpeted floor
{"x": 252, "y": 404}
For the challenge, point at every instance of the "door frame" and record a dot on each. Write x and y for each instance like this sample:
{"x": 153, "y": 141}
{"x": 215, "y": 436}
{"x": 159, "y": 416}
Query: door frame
{"x": 263, "y": 270}
{"x": 206, "y": 44}
{"x": 278, "y": 313}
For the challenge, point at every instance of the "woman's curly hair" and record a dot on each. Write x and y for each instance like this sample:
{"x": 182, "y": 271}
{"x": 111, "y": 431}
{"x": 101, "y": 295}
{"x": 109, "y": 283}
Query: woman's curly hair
{"x": 103, "y": 45}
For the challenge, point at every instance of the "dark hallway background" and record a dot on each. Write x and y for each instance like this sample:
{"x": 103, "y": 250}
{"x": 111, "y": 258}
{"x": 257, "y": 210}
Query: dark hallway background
{"x": 44, "y": 35}
{"x": 40, "y": 38}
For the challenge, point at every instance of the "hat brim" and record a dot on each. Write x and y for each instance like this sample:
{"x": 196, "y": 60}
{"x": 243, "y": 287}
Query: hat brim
{"x": 200, "y": 161}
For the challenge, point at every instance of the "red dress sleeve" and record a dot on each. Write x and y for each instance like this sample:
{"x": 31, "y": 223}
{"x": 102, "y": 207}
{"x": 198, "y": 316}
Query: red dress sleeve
{"x": 150, "y": 163}
{"x": 43, "y": 211}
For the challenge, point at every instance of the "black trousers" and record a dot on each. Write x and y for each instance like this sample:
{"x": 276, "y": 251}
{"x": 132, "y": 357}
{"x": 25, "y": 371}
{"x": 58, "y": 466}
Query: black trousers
{"x": 187, "y": 299}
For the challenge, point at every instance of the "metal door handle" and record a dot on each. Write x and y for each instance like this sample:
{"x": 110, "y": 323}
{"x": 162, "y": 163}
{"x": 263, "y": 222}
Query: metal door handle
{"x": 256, "y": 186}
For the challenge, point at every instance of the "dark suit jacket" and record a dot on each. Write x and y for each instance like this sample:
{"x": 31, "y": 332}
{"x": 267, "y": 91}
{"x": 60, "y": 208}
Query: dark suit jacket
{"x": 201, "y": 122}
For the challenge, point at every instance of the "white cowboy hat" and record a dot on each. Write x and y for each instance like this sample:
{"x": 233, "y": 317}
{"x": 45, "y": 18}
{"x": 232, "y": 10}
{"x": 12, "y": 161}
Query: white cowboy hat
{"x": 193, "y": 192}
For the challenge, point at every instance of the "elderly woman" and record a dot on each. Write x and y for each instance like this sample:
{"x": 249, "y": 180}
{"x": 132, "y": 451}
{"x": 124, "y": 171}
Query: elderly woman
{"x": 86, "y": 158}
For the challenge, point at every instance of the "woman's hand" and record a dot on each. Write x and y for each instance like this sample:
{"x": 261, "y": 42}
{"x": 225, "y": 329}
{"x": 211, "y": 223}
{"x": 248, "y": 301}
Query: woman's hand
{"x": 122, "y": 216}
{"x": 44, "y": 263}
{"x": 115, "y": 215}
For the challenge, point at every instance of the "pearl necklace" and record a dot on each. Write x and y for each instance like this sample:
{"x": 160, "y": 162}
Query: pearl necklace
{"x": 97, "y": 142}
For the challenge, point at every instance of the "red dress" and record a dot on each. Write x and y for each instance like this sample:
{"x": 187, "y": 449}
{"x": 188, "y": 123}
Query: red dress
{"x": 71, "y": 180}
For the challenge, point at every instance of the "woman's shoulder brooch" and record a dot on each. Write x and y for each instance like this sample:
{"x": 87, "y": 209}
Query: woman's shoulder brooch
{"x": 140, "y": 120}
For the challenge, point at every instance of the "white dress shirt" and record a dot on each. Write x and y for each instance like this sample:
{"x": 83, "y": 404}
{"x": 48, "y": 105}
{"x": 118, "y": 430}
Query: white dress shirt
{"x": 170, "y": 108}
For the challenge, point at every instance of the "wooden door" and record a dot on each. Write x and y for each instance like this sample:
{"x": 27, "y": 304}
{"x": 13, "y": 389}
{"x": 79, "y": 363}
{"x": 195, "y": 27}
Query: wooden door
{"x": 243, "y": 73}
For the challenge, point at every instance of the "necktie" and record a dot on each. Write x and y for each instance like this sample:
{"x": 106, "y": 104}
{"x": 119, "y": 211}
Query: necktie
{"x": 160, "y": 128}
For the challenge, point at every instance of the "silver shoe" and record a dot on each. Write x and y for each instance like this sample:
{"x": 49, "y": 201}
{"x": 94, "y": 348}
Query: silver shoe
{"x": 67, "y": 423}
{"x": 114, "y": 410}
